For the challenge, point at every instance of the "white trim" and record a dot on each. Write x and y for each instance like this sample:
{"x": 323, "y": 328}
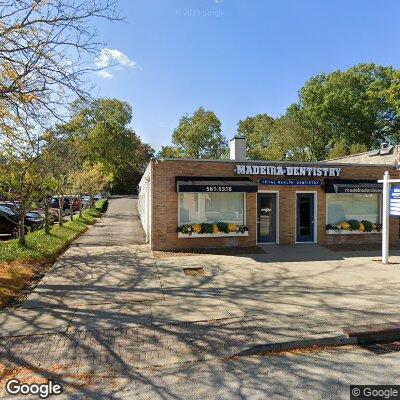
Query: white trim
{"x": 315, "y": 193}
{"x": 345, "y": 232}
{"x": 211, "y": 235}
{"x": 276, "y": 216}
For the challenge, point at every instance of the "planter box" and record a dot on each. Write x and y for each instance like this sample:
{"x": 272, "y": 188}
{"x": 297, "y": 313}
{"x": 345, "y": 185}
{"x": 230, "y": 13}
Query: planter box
{"x": 345, "y": 232}
{"x": 211, "y": 235}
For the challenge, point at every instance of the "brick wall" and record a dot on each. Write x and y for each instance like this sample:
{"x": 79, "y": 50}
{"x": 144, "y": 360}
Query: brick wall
{"x": 164, "y": 219}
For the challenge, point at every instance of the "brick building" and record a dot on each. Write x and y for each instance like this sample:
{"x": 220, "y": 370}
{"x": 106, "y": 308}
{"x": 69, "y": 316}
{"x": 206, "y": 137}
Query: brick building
{"x": 189, "y": 203}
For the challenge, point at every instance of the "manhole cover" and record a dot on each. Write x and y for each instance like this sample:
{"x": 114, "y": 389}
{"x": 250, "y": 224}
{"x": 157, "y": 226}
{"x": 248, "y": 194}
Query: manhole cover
{"x": 194, "y": 271}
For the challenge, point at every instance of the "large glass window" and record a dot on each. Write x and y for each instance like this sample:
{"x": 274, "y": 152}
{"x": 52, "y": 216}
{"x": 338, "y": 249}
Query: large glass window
{"x": 345, "y": 206}
{"x": 211, "y": 207}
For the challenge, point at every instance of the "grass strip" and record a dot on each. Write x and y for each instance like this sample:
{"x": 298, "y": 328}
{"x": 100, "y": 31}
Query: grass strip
{"x": 19, "y": 265}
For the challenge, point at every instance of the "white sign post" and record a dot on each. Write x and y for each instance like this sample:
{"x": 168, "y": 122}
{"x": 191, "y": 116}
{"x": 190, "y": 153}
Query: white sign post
{"x": 390, "y": 206}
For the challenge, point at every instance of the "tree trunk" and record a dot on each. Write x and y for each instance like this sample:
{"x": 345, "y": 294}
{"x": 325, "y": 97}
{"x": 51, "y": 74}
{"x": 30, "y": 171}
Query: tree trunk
{"x": 61, "y": 210}
{"x": 91, "y": 202}
{"x": 71, "y": 209}
{"x": 46, "y": 216}
{"x": 80, "y": 206}
{"x": 21, "y": 239}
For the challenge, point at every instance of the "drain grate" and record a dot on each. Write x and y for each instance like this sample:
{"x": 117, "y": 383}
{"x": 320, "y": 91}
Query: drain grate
{"x": 194, "y": 271}
{"x": 383, "y": 348}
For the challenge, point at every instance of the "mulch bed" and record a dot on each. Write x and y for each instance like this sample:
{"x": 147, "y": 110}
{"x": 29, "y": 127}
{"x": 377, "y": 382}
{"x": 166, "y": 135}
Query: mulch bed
{"x": 227, "y": 251}
{"x": 19, "y": 278}
{"x": 194, "y": 271}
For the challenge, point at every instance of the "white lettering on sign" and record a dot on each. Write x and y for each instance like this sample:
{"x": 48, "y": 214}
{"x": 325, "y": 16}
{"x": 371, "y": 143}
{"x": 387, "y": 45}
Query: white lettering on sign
{"x": 278, "y": 170}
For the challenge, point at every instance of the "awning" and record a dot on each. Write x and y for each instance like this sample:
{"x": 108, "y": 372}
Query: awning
{"x": 218, "y": 185}
{"x": 352, "y": 186}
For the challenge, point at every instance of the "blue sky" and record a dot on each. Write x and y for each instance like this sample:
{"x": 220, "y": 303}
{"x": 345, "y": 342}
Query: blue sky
{"x": 235, "y": 57}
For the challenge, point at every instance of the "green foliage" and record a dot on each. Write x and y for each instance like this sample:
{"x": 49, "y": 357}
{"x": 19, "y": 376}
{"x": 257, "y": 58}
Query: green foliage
{"x": 289, "y": 141}
{"x": 223, "y": 227}
{"x": 354, "y": 224}
{"x": 40, "y": 246}
{"x": 101, "y": 128}
{"x": 257, "y": 131}
{"x": 342, "y": 149}
{"x": 368, "y": 225}
{"x": 197, "y": 136}
{"x": 356, "y": 148}
{"x": 339, "y": 149}
{"x": 357, "y": 105}
{"x": 206, "y": 227}
{"x": 169, "y": 152}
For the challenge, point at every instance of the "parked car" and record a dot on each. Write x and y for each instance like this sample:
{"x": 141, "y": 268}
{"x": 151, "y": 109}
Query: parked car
{"x": 98, "y": 196}
{"x": 85, "y": 201}
{"x": 53, "y": 214}
{"x": 9, "y": 221}
{"x": 55, "y": 203}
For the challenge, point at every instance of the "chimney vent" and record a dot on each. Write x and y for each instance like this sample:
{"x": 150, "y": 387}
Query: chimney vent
{"x": 237, "y": 148}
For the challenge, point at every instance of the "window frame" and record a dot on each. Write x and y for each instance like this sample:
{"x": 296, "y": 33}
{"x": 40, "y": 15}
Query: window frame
{"x": 327, "y": 205}
{"x": 244, "y": 206}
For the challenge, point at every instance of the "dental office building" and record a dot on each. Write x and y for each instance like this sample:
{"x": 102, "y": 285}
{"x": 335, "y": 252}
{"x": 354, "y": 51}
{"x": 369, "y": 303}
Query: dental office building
{"x": 198, "y": 203}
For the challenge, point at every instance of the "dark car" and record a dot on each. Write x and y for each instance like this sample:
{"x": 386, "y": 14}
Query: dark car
{"x": 9, "y": 221}
{"x": 55, "y": 203}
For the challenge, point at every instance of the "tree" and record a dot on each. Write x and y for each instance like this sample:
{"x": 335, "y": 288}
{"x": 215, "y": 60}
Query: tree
{"x": 169, "y": 152}
{"x": 339, "y": 149}
{"x": 257, "y": 131}
{"x": 101, "y": 129}
{"x": 288, "y": 140}
{"x": 89, "y": 180}
{"x": 342, "y": 149}
{"x": 199, "y": 136}
{"x": 357, "y": 105}
{"x": 20, "y": 183}
{"x": 46, "y": 52}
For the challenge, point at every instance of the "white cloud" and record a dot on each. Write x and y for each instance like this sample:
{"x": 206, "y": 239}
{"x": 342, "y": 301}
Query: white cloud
{"x": 112, "y": 59}
{"x": 104, "y": 74}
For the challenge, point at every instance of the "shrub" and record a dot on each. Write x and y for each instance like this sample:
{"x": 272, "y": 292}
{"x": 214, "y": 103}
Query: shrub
{"x": 206, "y": 227}
{"x": 223, "y": 227}
{"x": 354, "y": 224}
{"x": 368, "y": 225}
{"x": 332, "y": 227}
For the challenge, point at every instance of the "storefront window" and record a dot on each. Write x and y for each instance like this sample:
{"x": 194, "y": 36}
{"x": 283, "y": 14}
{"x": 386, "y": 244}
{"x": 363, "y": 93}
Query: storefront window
{"x": 211, "y": 207}
{"x": 343, "y": 206}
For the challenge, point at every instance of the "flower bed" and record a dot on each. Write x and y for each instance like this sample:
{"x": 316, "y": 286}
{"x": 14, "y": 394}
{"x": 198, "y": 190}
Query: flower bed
{"x": 353, "y": 226}
{"x": 217, "y": 229}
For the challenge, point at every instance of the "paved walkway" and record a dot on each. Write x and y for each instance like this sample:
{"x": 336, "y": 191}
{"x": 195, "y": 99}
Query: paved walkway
{"x": 108, "y": 305}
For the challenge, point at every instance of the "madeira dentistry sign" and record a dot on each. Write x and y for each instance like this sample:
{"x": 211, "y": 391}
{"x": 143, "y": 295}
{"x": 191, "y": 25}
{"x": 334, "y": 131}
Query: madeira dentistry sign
{"x": 278, "y": 170}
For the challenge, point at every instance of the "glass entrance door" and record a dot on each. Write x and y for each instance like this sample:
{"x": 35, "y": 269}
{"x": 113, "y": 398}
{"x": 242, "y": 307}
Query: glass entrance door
{"x": 266, "y": 217}
{"x": 305, "y": 217}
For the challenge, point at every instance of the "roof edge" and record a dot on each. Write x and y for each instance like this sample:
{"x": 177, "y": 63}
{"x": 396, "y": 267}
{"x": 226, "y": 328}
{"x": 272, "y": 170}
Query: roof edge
{"x": 311, "y": 163}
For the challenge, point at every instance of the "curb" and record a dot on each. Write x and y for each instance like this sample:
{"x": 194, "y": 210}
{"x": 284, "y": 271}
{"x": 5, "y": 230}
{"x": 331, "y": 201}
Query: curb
{"x": 374, "y": 333}
{"x": 312, "y": 342}
{"x": 354, "y": 335}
